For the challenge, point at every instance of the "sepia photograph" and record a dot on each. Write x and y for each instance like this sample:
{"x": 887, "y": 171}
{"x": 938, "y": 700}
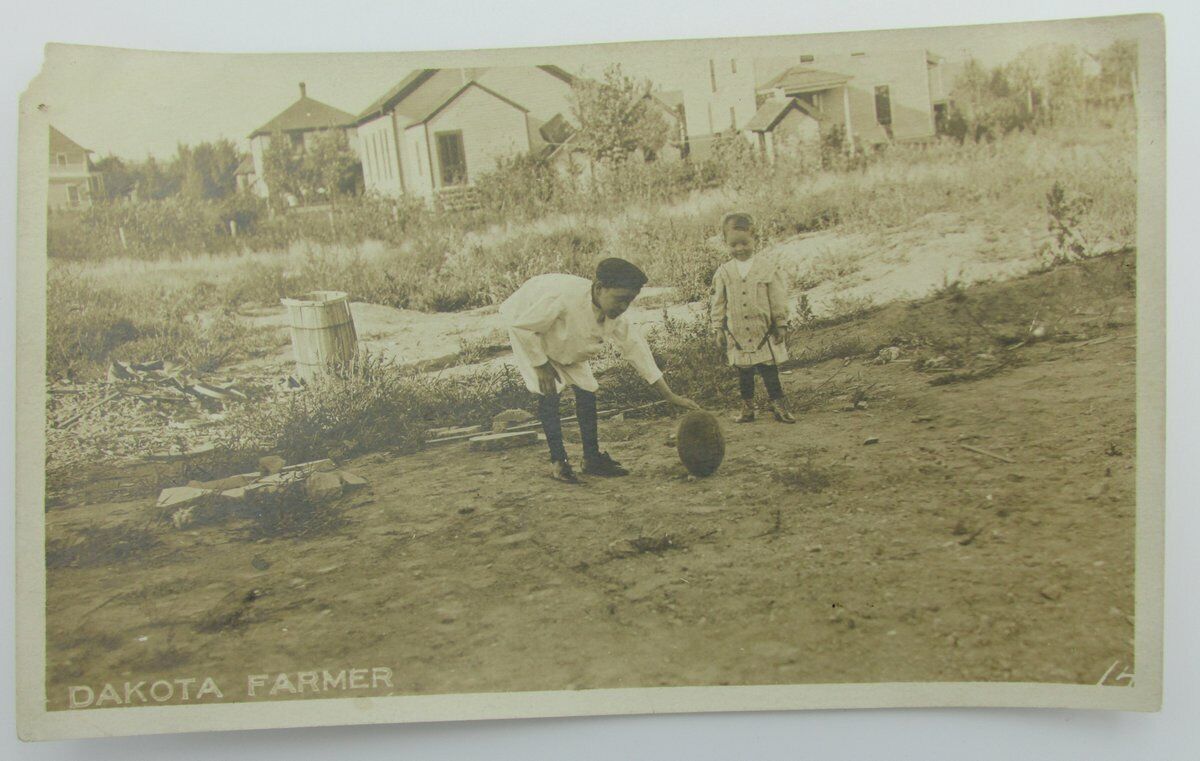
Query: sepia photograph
{"x": 571, "y": 379}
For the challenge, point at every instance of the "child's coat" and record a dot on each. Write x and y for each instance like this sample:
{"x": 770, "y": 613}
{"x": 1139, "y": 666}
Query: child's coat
{"x": 747, "y": 308}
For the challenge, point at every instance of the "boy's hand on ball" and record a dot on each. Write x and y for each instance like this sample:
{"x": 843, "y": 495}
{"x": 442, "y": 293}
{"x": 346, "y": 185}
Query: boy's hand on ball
{"x": 684, "y": 403}
{"x": 547, "y": 378}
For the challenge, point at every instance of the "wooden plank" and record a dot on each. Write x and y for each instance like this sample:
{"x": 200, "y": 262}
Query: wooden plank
{"x": 985, "y": 453}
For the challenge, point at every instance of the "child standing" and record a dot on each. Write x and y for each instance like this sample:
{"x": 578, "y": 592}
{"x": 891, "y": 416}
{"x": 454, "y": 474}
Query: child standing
{"x": 749, "y": 313}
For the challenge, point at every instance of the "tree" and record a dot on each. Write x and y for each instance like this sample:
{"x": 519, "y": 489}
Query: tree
{"x": 119, "y": 177}
{"x": 1118, "y": 68}
{"x": 333, "y": 168}
{"x": 617, "y": 118}
{"x": 157, "y": 181}
{"x": 207, "y": 169}
{"x": 325, "y": 170}
{"x": 1065, "y": 80}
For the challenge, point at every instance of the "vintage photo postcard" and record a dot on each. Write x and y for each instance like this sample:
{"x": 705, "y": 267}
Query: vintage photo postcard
{"x": 719, "y": 375}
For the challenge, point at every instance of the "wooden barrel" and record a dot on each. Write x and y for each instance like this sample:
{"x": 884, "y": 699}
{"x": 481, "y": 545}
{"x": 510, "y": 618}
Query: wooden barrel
{"x": 322, "y": 332}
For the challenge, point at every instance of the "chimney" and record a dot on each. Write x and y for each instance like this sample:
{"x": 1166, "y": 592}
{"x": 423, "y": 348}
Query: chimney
{"x": 303, "y": 91}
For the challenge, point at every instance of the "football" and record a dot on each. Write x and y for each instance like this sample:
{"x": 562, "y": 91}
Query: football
{"x": 700, "y": 443}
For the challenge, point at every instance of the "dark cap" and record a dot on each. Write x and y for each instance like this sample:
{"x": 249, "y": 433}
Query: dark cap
{"x": 618, "y": 273}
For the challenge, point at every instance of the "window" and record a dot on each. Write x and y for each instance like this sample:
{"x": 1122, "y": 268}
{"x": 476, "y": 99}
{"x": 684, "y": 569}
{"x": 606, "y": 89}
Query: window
{"x": 712, "y": 74}
{"x": 62, "y": 159}
{"x": 452, "y": 158}
{"x": 732, "y": 118}
{"x": 807, "y": 59}
{"x": 73, "y": 195}
{"x": 883, "y": 105}
{"x": 733, "y": 66}
{"x": 297, "y": 140}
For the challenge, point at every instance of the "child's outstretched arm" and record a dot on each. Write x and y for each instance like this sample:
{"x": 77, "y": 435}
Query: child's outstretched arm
{"x": 636, "y": 350}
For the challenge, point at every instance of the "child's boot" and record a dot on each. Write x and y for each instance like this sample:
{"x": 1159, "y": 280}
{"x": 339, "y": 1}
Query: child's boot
{"x": 747, "y": 413}
{"x": 561, "y": 470}
{"x": 782, "y": 414}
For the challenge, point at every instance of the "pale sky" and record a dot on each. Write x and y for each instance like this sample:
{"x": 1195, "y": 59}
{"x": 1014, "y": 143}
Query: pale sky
{"x": 134, "y": 103}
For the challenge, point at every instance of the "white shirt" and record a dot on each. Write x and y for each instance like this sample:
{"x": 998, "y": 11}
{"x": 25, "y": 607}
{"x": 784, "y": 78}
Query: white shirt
{"x": 551, "y": 318}
{"x": 743, "y": 267}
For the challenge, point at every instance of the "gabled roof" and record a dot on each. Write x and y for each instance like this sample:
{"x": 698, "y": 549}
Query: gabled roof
{"x": 398, "y": 92}
{"x": 411, "y": 96}
{"x": 60, "y": 143}
{"x": 773, "y": 111}
{"x": 806, "y": 79}
{"x": 304, "y": 115}
{"x": 561, "y": 73}
{"x": 425, "y": 108}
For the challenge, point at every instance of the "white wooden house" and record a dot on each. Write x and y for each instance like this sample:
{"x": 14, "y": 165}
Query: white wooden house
{"x": 74, "y": 182}
{"x": 438, "y": 130}
{"x": 875, "y": 96}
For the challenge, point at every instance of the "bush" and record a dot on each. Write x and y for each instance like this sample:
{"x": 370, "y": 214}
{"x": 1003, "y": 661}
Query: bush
{"x": 374, "y": 404}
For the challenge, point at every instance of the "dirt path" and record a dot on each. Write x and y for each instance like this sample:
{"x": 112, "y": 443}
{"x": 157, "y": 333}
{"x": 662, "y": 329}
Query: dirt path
{"x": 846, "y": 268}
{"x": 808, "y": 558}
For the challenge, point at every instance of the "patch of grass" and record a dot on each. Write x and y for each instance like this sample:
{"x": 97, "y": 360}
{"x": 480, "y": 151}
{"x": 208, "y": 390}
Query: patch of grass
{"x": 805, "y": 476}
{"x": 100, "y": 546}
{"x": 373, "y": 404}
{"x": 655, "y": 545}
{"x": 287, "y": 512}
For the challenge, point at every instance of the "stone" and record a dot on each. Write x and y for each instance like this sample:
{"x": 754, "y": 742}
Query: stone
{"x": 183, "y": 517}
{"x": 235, "y": 495}
{"x": 870, "y": 440}
{"x": 514, "y": 416}
{"x": 512, "y": 539}
{"x": 1051, "y": 591}
{"x": 350, "y": 480}
{"x": 508, "y": 419}
{"x": 278, "y": 480}
{"x": 890, "y": 354}
{"x": 498, "y": 441}
{"x": 270, "y": 465}
{"x": 323, "y": 486}
{"x": 438, "y": 433}
{"x": 310, "y": 467}
{"x": 180, "y": 496}
{"x": 223, "y": 484}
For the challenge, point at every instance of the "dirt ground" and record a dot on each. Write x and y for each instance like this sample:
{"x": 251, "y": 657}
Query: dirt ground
{"x": 809, "y": 557}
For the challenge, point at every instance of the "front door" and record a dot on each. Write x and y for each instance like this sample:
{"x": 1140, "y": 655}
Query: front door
{"x": 452, "y": 158}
